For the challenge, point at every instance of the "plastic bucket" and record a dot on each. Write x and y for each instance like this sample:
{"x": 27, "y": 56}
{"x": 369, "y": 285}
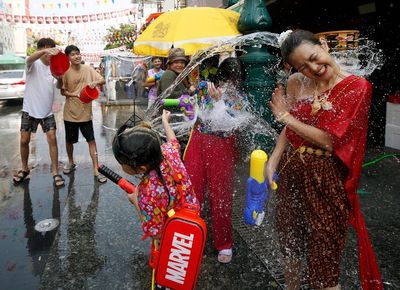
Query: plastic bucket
{"x": 88, "y": 94}
{"x": 59, "y": 64}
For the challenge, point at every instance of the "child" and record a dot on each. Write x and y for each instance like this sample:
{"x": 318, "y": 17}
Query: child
{"x": 139, "y": 151}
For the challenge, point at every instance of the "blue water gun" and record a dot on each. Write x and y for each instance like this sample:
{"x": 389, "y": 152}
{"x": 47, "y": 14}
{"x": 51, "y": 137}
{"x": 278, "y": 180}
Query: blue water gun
{"x": 156, "y": 77}
{"x": 257, "y": 190}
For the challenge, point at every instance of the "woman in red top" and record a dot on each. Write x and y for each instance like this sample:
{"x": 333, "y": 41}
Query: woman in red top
{"x": 318, "y": 157}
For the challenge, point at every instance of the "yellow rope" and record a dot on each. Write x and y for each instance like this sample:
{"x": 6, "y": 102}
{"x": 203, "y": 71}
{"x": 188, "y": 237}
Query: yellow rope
{"x": 154, "y": 270}
{"x": 187, "y": 145}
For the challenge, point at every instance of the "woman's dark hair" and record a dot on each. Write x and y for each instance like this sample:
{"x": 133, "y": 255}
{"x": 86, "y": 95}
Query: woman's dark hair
{"x": 138, "y": 146}
{"x": 296, "y": 38}
{"x": 230, "y": 69}
{"x": 45, "y": 42}
{"x": 71, "y": 48}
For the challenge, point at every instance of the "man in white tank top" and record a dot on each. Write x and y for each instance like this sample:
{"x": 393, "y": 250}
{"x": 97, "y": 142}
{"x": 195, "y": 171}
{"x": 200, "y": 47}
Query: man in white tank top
{"x": 37, "y": 108}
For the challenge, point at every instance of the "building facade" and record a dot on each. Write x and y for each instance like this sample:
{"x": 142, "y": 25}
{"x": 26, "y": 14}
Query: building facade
{"x": 12, "y": 34}
{"x": 7, "y": 39}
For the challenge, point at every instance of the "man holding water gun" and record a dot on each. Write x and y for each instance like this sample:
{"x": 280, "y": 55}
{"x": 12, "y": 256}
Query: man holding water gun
{"x": 153, "y": 76}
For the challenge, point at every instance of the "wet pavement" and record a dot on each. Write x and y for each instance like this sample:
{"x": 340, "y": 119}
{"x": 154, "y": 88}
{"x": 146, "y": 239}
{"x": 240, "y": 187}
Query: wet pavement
{"x": 98, "y": 242}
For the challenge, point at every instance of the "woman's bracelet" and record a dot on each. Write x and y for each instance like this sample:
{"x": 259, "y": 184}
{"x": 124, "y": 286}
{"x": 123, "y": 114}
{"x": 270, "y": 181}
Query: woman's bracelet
{"x": 282, "y": 116}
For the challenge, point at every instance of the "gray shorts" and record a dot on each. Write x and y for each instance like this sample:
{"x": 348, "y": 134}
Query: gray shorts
{"x": 30, "y": 124}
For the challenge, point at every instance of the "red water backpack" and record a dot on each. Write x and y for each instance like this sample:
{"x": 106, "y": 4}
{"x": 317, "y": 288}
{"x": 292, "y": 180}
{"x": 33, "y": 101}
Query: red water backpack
{"x": 177, "y": 261}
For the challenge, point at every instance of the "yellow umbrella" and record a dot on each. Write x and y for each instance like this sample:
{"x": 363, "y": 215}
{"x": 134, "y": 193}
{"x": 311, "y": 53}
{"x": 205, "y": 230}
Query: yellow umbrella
{"x": 191, "y": 28}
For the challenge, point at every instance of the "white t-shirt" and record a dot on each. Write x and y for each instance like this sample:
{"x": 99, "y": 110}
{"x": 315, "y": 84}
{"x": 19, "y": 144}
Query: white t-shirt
{"x": 39, "y": 90}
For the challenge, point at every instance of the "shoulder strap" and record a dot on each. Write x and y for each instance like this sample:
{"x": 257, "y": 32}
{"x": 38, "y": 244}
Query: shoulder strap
{"x": 177, "y": 179}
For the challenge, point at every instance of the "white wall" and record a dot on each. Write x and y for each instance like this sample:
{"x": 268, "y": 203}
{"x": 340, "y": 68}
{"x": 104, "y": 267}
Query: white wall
{"x": 168, "y": 5}
{"x": 18, "y": 8}
{"x": 20, "y": 40}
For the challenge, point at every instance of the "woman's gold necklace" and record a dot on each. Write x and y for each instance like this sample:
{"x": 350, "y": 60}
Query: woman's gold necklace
{"x": 321, "y": 100}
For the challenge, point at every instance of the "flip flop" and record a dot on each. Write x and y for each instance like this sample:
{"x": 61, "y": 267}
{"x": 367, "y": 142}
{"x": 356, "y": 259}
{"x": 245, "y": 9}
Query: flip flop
{"x": 225, "y": 256}
{"x": 100, "y": 178}
{"x": 58, "y": 180}
{"x": 69, "y": 168}
{"x": 21, "y": 176}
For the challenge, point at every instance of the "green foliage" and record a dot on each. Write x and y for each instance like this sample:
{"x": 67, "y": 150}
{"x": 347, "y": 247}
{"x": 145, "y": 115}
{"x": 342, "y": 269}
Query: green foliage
{"x": 30, "y": 50}
{"x": 124, "y": 35}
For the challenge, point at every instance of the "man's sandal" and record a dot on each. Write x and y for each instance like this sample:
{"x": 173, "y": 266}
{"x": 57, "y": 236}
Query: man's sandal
{"x": 100, "y": 178}
{"x": 58, "y": 180}
{"x": 69, "y": 168}
{"x": 225, "y": 256}
{"x": 21, "y": 176}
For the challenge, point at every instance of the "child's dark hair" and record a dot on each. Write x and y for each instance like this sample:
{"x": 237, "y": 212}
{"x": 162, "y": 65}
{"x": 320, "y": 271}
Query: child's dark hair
{"x": 71, "y": 48}
{"x": 155, "y": 58}
{"x": 45, "y": 42}
{"x": 296, "y": 38}
{"x": 138, "y": 146}
{"x": 230, "y": 69}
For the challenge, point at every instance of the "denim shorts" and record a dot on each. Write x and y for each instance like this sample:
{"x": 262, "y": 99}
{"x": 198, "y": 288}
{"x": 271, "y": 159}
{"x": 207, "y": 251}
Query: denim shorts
{"x": 30, "y": 124}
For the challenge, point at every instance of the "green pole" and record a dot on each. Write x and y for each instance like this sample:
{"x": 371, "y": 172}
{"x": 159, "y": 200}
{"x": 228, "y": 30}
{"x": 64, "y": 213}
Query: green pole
{"x": 232, "y": 2}
{"x": 258, "y": 64}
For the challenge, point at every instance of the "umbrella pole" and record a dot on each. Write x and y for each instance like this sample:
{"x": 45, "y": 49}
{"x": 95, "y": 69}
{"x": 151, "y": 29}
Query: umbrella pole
{"x": 134, "y": 107}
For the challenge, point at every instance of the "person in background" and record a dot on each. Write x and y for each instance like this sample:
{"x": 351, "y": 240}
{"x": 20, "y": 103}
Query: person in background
{"x": 37, "y": 108}
{"x": 78, "y": 115}
{"x": 176, "y": 63}
{"x": 152, "y": 85}
{"x": 111, "y": 77}
{"x": 318, "y": 158}
{"x": 210, "y": 155}
{"x": 138, "y": 80}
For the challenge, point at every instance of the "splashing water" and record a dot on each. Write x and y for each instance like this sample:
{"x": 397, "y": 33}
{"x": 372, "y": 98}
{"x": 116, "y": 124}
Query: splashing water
{"x": 243, "y": 120}
{"x": 254, "y": 39}
{"x": 246, "y": 124}
{"x": 362, "y": 60}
